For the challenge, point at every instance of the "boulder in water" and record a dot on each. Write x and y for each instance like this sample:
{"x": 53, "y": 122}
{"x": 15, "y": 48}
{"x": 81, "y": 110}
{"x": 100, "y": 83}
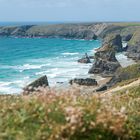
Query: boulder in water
{"x": 85, "y": 59}
{"x": 40, "y": 82}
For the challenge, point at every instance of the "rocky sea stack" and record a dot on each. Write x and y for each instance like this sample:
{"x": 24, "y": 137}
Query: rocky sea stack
{"x": 105, "y": 60}
{"x": 34, "y": 86}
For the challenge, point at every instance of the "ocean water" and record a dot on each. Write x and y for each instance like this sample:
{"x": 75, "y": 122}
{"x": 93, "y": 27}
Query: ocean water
{"x": 22, "y": 60}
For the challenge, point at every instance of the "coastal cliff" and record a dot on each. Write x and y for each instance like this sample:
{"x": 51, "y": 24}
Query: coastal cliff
{"x": 105, "y": 60}
{"x": 111, "y": 34}
{"x": 71, "y": 31}
{"x": 133, "y": 50}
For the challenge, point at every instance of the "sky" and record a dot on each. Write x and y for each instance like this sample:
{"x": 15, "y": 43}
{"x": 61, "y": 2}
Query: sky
{"x": 70, "y": 10}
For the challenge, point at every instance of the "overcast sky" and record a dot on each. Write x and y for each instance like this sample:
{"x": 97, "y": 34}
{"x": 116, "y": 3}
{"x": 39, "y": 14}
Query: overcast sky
{"x": 69, "y": 10}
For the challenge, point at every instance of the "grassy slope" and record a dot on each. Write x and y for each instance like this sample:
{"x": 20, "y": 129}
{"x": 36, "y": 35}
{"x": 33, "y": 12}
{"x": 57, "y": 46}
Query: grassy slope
{"x": 135, "y": 39}
{"x": 127, "y": 23}
{"x": 72, "y": 116}
{"x": 129, "y": 74}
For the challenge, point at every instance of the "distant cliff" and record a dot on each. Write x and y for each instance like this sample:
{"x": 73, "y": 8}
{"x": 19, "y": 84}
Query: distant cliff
{"x": 71, "y": 31}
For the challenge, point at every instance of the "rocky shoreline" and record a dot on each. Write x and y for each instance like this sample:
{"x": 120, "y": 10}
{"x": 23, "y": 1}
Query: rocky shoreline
{"x": 111, "y": 34}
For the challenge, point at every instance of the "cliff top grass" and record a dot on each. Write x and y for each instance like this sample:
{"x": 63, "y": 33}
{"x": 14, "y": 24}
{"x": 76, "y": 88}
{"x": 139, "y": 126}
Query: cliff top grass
{"x": 132, "y": 71}
{"x": 128, "y": 74}
{"x": 135, "y": 39}
{"x": 127, "y": 23}
{"x": 68, "y": 115}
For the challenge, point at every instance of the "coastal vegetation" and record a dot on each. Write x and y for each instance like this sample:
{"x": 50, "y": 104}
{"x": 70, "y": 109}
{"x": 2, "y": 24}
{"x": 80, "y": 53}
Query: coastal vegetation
{"x": 68, "y": 115}
{"x": 126, "y": 75}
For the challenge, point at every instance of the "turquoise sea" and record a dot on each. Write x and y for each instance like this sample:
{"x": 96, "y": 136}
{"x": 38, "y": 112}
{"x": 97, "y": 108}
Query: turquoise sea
{"x": 24, "y": 59}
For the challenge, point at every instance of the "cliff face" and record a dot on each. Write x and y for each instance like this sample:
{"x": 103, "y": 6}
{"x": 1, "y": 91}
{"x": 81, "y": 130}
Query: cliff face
{"x": 105, "y": 63}
{"x": 133, "y": 50}
{"x": 15, "y": 31}
{"x": 105, "y": 60}
{"x": 71, "y": 31}
{"x": 114, "y": 41}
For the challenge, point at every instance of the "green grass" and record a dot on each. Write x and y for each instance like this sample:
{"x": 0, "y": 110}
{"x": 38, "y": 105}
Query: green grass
{"x": 128, "y": 75}
{"x": 125, "y": 82}
{"x": 71, "y": 116}
{"x": 127, "y": 24}
{"x": 135, "y": 39}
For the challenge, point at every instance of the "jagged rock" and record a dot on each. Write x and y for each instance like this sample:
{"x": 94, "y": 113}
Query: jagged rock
{"x": 127, "y": 37}
{"x": 84, "y": 82}
{"x": 106, "y": 68}
{"x": 102, "y": 88}
{"x": 105, "y": 53}
{"x": 114, "y": 41}
{"x": 85, "y": 59}
{"x": 105, "y": 63}
{"x": 105, "y": 60}
{"x": 40, "y": 82}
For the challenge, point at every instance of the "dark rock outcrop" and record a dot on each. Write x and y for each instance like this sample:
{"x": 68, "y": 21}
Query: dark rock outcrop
{"x": 102, "y": 88}
{"x": 105, "y": 62}
{"x": 105, "y": 68}
{"x": 40, "y": 82}
{"x": 85, "y": 59}
{"x": 114, "y": 41}
{"x": 127, "y": 37}
{"x": 84, "y": 82}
